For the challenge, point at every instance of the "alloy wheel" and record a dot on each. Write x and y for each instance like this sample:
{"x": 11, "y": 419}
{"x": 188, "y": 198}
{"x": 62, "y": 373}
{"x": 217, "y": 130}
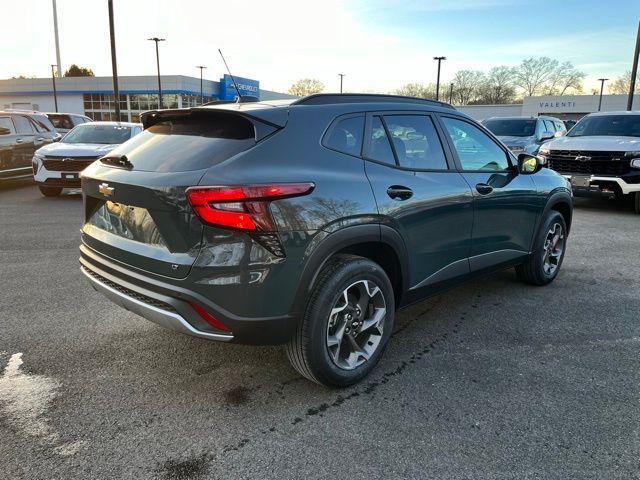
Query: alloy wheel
{"x": 356, "y": 324}
{"x": 553, "y": 249}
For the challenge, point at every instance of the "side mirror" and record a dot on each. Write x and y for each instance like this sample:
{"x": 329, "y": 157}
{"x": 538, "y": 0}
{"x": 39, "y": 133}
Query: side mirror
{"x": 4, "y": 131}
{"x": 57, "y": 138}
{"x": 548, "y": 135}
{"x": 529, "y": 164}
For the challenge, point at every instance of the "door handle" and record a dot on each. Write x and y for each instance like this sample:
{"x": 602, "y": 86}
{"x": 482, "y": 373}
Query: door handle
{"x": 399, "y": 192}
{"x": 484, "y": 189}
{"x": 19, "y": 140}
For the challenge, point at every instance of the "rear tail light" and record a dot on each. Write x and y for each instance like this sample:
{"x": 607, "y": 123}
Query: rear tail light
{"x": 245, "y": 207}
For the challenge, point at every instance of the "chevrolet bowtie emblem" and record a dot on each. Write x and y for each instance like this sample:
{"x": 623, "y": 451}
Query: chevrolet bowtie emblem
{"x": 105, "y": 189}
{"x": 582, "y": 158}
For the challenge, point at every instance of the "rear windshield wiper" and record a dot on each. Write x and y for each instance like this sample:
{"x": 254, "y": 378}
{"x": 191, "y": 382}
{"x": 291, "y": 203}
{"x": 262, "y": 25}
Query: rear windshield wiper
{"x": 117, "y": 161}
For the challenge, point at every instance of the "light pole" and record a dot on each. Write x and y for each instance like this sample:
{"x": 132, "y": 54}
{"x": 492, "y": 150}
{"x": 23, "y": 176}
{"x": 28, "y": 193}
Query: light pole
{"x": 201, "y": 67}
{"x": 601, "y": 80}
{"x": 451, "y": 93}
{"x": 156, "y": 39}
{"x": 634, "y": 71}
{"x": 439, "y": 59}
{"x": 114, "y": 63}
{"x": 55, "y": 32}
{"x": 341, "y": 77}
{"x": 55, "y": 92}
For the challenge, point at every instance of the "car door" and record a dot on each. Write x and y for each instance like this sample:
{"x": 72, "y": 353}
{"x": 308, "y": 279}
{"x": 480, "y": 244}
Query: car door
{"x": 25, "y": 141}
{"x": 505, "y": 202}
{"x": 419, "y": 194}
{"x": 7, "y": 144}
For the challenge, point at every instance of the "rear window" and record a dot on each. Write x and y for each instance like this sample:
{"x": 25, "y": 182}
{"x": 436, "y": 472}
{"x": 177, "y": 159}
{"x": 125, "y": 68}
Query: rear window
{"x": 511, "y": 127}
{"x": 188, "y": 143}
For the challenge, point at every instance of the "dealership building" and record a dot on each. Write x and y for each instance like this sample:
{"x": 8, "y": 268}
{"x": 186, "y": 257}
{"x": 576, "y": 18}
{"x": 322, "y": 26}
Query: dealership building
{"x": 565, "y": 107}
{"x": 93, "y": 96}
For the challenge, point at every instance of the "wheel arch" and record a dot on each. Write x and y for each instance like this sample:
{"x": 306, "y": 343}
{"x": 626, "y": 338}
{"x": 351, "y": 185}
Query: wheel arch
{"x": 379, "y": 243}
{"x": 561, "y": 202}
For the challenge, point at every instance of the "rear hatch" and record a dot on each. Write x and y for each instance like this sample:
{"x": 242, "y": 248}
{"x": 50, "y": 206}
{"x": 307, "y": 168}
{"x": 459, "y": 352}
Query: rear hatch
{"x": 136, "y": 210}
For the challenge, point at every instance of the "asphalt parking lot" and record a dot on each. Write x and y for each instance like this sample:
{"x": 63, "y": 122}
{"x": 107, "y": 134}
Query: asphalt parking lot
{"x": 492, "y": 380}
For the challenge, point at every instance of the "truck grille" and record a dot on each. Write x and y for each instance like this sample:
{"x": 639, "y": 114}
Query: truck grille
{"x": 67, "y": 164}
{"x": 599, "y": 163}
{"x": 131, "y": 293}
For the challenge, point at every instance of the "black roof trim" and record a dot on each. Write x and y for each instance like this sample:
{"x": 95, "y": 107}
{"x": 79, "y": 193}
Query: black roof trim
{"x": 334, "y": 98}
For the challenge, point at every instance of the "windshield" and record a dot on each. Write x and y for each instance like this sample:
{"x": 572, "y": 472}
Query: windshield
{"x": 103, "y": 134}
{"x": 612, "y": 125}
{"x": 511, "y": 127}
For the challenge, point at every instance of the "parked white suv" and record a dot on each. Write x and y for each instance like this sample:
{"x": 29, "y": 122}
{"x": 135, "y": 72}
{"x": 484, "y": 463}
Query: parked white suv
{"x": 600, "y": 155}
{"x": 58, "y": 165}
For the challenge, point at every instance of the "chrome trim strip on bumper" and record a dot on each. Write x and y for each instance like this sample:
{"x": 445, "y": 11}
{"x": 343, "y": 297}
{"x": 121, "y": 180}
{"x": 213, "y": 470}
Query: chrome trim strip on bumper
{"x": 166, "y": 319}
{"x": 624, "y": 186}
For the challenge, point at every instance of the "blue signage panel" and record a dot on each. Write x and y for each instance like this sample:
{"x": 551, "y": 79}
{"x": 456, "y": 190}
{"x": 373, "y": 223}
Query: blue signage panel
{"x": 246, "y": 86}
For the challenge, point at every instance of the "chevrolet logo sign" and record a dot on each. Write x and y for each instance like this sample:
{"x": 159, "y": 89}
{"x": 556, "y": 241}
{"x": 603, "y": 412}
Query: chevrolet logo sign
{"x": 105, "y": 189}
{"x": 582, "y": 158}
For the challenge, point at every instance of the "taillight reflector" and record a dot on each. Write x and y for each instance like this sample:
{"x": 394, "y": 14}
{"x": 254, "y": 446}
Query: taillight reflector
{"x": 210, "y": 319}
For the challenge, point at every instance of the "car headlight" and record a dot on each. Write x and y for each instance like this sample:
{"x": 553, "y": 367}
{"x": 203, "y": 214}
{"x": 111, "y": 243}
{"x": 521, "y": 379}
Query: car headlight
{"x": 632, "y": 154}
{"x": 635, "y": 163}
{"x": 543, "y": 150}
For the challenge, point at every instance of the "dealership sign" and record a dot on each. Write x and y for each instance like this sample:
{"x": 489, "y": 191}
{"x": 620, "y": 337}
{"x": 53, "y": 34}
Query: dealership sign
{"x": 247, "y": 87}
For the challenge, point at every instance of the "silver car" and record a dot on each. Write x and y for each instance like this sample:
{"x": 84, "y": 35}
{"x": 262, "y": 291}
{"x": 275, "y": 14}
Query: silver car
{"x": 58, "y": 165}
{"x": 525, "y": 134}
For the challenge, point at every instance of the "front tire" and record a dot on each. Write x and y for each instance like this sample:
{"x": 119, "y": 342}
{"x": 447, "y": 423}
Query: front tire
{"x": 50, "y": 191}
{"x": 549, "y": 247}
{"x": 347, "y": 323}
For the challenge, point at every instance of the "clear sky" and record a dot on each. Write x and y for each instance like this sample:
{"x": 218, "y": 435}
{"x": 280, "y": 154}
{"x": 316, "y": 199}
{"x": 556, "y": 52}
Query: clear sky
{"x": 378, "y": 44}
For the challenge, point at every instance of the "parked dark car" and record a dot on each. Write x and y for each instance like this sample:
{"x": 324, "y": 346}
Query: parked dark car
{"x": 310, "y": 222}
{"x": 64, "y": 122}
{"x": 21, "y": 134}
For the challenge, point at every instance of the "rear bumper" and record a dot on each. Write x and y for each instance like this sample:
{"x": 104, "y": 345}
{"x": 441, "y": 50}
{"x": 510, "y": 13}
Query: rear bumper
{"x": 596, "y": 183}
{"x": 170, "y": 305}
{"x": 163, "y": 317}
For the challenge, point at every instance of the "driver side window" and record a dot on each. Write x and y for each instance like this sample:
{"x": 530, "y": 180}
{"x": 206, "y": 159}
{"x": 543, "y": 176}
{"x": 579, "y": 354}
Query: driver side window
{"x": 476, "y": 150}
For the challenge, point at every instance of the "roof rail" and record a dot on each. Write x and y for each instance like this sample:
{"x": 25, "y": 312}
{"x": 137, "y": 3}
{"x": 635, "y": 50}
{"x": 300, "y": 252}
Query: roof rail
{"x": 333, "y": 98}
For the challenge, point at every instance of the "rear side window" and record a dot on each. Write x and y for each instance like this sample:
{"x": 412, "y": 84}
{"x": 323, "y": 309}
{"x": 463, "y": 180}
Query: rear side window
{"x": 416, "y": 142}
{"x": 42, "y": 123}
{"x": 379, "y": 146}
{"x": 61, "y": 121}
{"x": 549, "y": 126}
{"x": 188, "y": 143}
{"x": 6, "y": 126}
{"x": 23, "y": 125}
{"x": 345, "y": 135}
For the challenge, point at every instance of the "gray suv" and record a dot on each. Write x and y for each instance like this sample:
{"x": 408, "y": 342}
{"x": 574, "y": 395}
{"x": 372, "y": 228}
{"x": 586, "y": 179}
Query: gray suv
{"x": 525, "y": 134}
{"x": 309, "y": 222}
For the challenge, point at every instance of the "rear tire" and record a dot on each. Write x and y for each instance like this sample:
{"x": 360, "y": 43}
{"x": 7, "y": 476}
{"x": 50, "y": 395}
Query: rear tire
{"x": 636, "y": 202}
{"x": 347, "y": 323}
{"x": 549, "y": 247}
{"x": 50, "y": 191}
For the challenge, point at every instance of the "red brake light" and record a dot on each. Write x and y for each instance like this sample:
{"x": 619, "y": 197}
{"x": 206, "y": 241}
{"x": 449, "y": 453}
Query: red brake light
{"x": 245, "y": 206}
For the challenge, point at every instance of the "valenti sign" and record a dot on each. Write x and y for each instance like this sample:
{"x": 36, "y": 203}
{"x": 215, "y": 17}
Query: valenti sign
{"x": 246, "y": 86}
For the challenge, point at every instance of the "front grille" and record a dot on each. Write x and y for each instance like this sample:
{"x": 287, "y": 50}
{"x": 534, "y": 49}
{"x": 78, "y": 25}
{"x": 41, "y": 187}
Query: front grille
{"x": 599, "y": 163}
{"x": 131, "y": 293}
{"x": 67, "y": 164}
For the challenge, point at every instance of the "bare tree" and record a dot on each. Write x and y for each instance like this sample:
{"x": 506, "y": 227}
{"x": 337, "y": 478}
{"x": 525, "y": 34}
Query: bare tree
{"x": 565, "y": 77}
{"x": 306, "y": 86}
{"x": 533, "y": 73}
{"x": 497, "y": 87}
{"x": 622, "y": 84}
{"x": 417, "y": 90}
{"x": 467, "y": 83}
